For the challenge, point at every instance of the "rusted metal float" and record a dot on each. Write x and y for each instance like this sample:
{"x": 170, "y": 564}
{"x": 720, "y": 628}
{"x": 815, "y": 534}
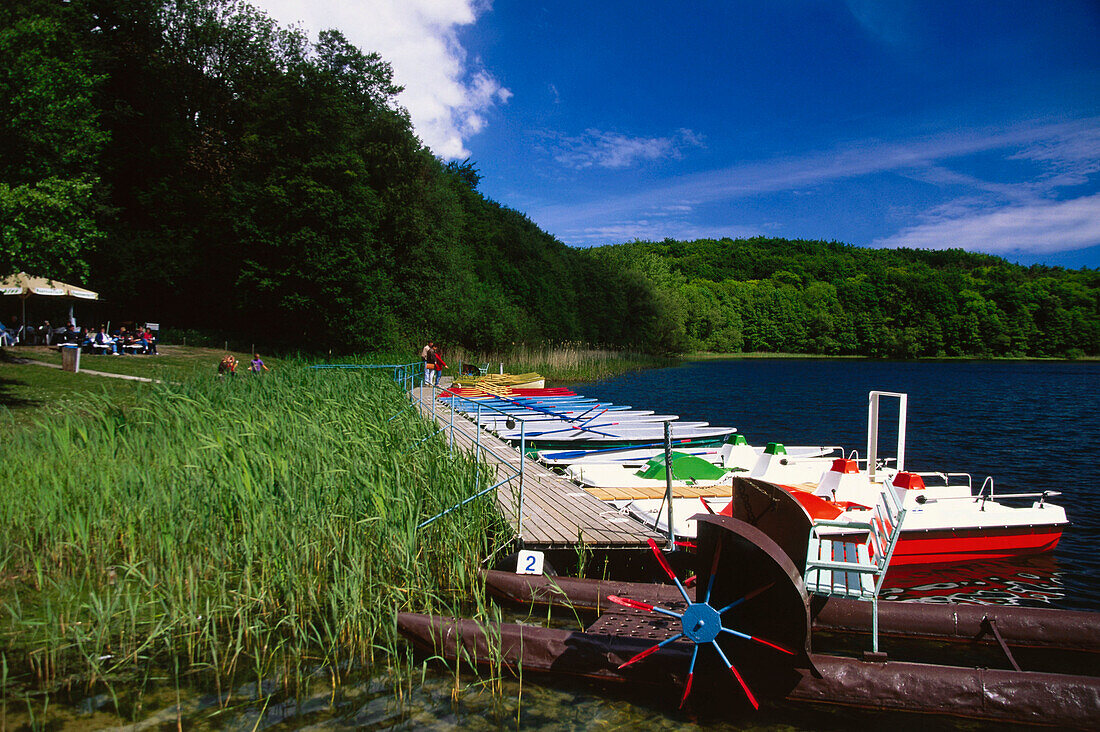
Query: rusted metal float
{"x": 748, "y": 631}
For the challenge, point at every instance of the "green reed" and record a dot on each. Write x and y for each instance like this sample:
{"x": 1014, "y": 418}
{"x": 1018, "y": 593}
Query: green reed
{"x": 237, "y": 531}
{"x": 562, "y": 362}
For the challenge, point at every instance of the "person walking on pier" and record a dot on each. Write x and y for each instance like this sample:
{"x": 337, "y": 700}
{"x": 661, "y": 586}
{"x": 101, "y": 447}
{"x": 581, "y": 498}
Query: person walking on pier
{"x": 440, "y": 364}
{"x": 427, "y": 355}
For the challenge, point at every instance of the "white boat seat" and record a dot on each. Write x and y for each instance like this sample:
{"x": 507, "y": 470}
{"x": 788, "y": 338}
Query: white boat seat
{"x": 841, "y": 568}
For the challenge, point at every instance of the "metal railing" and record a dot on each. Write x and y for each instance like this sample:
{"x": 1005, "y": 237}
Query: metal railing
{"x": 873, "y": 398}
{"x": 412, "y": 378}
{"x": 427, "y": 396}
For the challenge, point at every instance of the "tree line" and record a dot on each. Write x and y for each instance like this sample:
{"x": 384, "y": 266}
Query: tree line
{"x": 201, "y": 166}
{"x": 777, "y": 295}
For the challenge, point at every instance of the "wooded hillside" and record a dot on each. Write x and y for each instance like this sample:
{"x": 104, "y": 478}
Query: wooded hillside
{"x": 205, "y": 168}
{"x": 830, "y": 298}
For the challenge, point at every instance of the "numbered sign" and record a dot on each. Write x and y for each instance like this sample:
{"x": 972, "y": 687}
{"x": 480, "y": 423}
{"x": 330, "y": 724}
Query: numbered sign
{"x": 528, "y": 562}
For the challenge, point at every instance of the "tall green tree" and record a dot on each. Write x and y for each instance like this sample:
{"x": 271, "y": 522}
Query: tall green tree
{"x": 50, "y": 140}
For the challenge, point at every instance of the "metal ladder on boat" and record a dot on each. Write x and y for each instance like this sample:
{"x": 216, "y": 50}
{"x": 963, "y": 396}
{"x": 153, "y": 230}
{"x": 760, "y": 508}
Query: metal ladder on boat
{"x": 839, "y": 561}
{"x": 839, "y": 564}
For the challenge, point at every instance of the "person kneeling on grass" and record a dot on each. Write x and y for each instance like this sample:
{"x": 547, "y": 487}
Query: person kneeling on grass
{"x": 228, "y": 366}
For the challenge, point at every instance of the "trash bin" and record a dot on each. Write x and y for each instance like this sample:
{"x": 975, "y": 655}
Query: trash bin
{"x": 70, "y": 358}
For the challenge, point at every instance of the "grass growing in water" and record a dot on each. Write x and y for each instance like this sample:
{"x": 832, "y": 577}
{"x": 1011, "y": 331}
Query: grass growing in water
{"x": 234, "y": 532}
{"x": 563, "y": 363}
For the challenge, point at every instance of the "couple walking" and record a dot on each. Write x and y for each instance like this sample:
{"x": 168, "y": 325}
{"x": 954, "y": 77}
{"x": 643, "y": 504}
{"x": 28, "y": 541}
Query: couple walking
{"x": 433, "y": 363}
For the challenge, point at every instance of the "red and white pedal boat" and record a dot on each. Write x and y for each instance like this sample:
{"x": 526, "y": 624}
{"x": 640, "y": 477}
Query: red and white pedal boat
{"x": 945, "y": 521}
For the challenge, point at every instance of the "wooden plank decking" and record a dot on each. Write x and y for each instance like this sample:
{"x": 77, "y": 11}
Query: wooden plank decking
{"x": 557, "y": 513}
{"x": 685, "y": 491}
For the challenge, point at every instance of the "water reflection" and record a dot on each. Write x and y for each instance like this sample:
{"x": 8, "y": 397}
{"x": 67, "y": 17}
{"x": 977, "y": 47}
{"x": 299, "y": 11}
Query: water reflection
{"x": 1026, "y": 582}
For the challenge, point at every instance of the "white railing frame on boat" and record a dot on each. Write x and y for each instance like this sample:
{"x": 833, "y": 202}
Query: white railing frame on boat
{"x": 982, "y": 497}
{"x": 873, "y": 399}
{"x": 946, "y": 478}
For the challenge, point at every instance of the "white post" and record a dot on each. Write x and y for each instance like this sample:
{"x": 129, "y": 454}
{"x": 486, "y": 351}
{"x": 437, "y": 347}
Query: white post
{"x": 872, "y": 428}
{"x": 872, "y": 434}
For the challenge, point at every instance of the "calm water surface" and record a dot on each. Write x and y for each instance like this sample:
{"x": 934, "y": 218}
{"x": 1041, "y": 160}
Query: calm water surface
{"x": 1031, "y": 425}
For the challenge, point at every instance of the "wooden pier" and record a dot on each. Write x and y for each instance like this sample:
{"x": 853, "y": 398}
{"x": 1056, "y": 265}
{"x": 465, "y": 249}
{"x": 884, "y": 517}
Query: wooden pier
{"x": 557, "y": 513}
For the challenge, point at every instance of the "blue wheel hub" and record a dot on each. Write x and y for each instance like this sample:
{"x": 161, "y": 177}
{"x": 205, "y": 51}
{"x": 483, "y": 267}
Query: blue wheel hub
{"x": 701, "y": 622}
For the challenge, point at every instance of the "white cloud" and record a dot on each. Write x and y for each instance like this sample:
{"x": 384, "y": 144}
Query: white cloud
{"x": 1071, "y": 158}
{"x": 647, "y": 230}
{"x": 1042, "y": 227}
{"x": 1067, "y": 154}
{"x": 446, "y": 93}
{"x": 596, "y": 148}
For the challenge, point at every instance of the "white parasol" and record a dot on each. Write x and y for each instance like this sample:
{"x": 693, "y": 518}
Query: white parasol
{"x": 23, "y": 285}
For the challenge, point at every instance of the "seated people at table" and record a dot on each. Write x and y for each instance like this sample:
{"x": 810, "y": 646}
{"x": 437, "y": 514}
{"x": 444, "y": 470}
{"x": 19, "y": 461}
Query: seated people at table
{"x": 69, "y": 335}
{"x": 7, "y": 337}
{"x": 150, "y": 342}
{"x": 104, "y": 342}
{"x": 123, "y": 340}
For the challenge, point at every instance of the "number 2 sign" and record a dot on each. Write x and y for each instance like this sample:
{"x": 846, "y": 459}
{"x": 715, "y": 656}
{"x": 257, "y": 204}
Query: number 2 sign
{"x": 529, "y": 562}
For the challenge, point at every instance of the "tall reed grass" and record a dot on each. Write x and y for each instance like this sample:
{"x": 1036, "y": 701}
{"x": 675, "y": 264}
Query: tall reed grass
{"x": 235, "y": 531}
{"x": 562, "y": 362}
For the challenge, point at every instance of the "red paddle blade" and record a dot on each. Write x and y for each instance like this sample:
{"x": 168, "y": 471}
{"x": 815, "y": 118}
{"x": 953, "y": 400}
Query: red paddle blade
{"x": 661, "y": 559}
{"x": 627, "y": 602}
{"x": 772, "y": 645}
{"x": 748, "y": 693}
{"x": 687, "y": 689}
{"x": 759, "y": 590}
{"x": 649, "y": 651}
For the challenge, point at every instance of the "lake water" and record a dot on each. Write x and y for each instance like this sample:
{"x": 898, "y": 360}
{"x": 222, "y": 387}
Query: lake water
{"x": 1029, "y": 424}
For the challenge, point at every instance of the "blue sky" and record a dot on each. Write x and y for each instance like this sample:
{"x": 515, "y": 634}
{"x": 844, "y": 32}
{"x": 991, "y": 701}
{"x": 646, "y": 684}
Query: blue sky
{"x": 877, "y": 123}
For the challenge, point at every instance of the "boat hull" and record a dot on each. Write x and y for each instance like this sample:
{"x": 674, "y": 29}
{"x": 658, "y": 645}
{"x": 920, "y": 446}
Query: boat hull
{"x": 944, "y": 546}
{"x": 897, "y": 686}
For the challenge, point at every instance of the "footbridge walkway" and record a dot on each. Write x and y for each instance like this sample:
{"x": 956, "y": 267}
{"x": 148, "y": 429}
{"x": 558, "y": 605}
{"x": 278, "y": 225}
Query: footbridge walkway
{"x": 547, "y": 510}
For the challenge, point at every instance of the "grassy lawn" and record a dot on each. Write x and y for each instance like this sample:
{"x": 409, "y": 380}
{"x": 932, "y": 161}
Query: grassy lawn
{"x": 172, "y": 361}
{"x": 29, "y": 391}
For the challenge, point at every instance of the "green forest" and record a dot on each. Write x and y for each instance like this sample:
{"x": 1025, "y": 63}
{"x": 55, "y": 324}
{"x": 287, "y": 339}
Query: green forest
{"x": 201, "y": 166}
{"x": 775, "y": 295}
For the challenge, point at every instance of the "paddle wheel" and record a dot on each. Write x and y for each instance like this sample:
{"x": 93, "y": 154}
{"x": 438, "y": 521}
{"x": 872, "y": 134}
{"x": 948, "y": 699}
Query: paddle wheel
{"x": 753, "y": 613}
{"x": 749, "y": 611}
